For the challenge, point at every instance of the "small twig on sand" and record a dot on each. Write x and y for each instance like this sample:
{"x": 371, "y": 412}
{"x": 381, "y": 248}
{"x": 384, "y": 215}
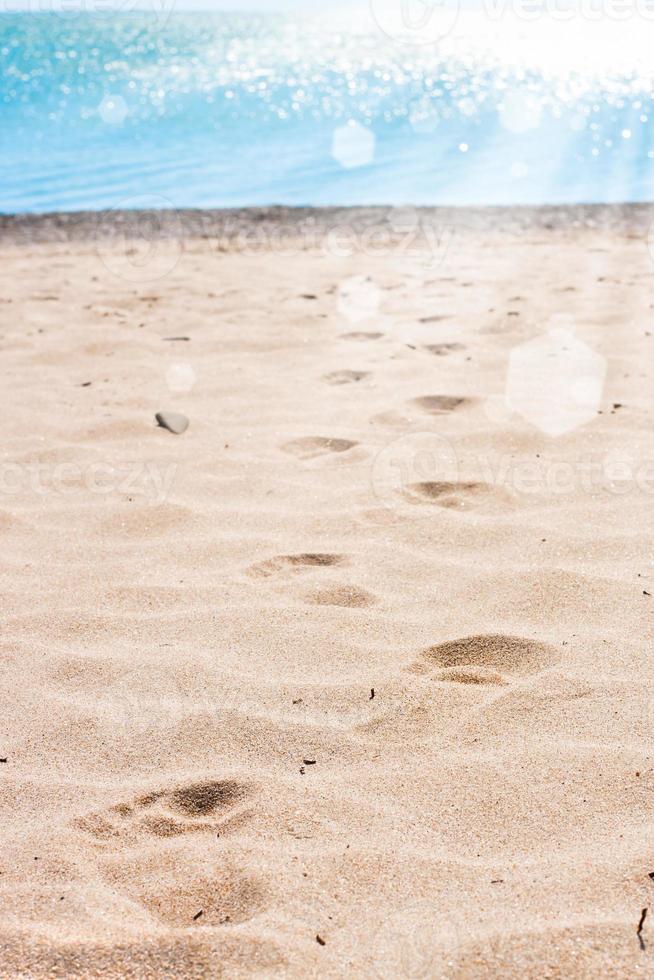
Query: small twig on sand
{"x": 643, "y": 916}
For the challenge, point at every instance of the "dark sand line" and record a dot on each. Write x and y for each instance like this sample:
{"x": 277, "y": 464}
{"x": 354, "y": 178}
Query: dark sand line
{"x": 227, "y": 227}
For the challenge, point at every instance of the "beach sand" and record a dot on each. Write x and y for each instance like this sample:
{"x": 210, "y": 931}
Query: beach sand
{"x": 353, "y": 677}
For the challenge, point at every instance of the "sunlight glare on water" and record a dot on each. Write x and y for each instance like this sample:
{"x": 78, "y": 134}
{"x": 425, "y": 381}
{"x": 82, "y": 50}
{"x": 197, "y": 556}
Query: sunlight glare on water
{"x": 218, "y": 109}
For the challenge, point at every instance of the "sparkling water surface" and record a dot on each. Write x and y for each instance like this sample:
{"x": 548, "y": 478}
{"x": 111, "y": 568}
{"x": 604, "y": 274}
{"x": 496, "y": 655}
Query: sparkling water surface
{"x": 210, "y": 110}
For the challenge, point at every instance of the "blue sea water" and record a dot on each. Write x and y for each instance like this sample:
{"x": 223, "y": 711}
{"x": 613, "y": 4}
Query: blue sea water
{"x": 218, "y": 109}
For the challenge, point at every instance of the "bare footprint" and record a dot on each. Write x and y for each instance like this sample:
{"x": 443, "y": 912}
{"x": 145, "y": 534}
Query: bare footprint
{"x": 361, "y": 335}
{"x": 441, "y": 404}
{"x": 343, "y": 595}
{"x": 442, "y": 350}
{"x": 492, "y": 651}
{"x": 195, "y": 808}
{"x": 345, "y": 377}
{"x": 458, "y": 495}
{"x": 312, "y": 446}
{"x": 295, "y": 563}
{"x": 167, "y": 875}
{"x": 392, "y": 420}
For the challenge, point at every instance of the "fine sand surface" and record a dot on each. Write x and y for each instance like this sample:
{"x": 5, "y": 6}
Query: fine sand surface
{"x": 196, "y": 780}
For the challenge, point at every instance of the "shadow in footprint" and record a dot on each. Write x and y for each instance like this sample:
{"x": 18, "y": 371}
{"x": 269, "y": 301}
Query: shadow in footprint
{"x": 361, "y": 335}
{"x": 312, "y": 446}
{"x": 343, "y": 595}
{"x": 459, "y": 495}
{"x": 295, "y": 563}
{"x": 345, "y": 377}
{"x": 441, "y": 404}
{"x": 493, "y": 651}
{"x": 200, "y": 799}
{"x": 442, "y": 350}
{"x": 472, "y": 675}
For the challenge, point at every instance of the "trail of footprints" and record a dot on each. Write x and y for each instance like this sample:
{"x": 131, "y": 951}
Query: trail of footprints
{"x": 219, "y": 807}
{"x": 453, "y": 495}
{"x": 312, "y": 447}
{"x": 483, "y": 659}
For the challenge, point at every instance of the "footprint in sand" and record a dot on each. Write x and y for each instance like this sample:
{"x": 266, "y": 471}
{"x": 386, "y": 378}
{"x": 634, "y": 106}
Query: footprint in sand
{"x": 441, "y": 404}
{"x": 295, "y": 563}
{"x": 343, "y": 595}
{"x": 442, "y": 350}
{"x": 148, "y": 856}
{"x": 312, "y": 446}
{"x": 345, "y": 377}
{"x": 210, "y": 806}
{"x": 361, "y": 335}
{"x": 392, "y": 420}
{"x": 459, "y": 495}
{"x": 491, "y": 658}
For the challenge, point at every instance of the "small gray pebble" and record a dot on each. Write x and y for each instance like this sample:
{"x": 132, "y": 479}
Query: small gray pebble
{"x": 172, "y": 421}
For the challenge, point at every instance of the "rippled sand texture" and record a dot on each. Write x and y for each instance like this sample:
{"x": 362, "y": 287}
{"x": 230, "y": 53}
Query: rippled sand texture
{"x": 353, "y": 677}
